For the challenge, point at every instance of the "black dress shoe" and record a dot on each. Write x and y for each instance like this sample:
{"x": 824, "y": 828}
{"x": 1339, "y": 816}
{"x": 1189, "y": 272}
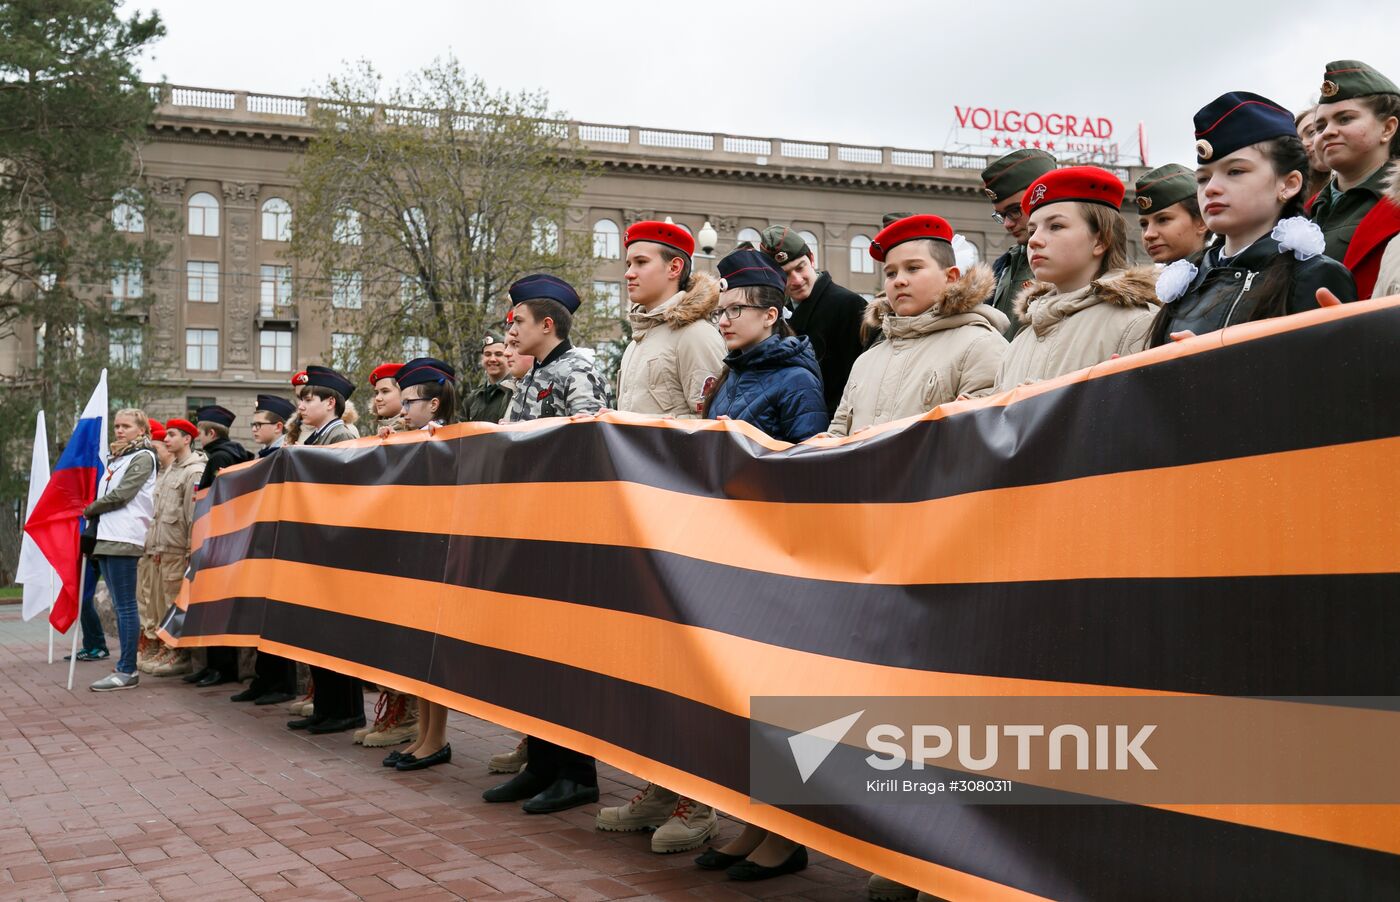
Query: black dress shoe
{"x": 713, "y": 860}
{"x": 561, "y": 795}
{"x": 247, "y": 695}
{"x": 273, "y": 698}
{"x": 213, "y": 678}
{"x": 441, "y": 756}
{"x": 522, "y": 786}
{"x": 195, "y": 676}
{"x": 395, "y": 757}
{"x": 305, "y": 723}
{"x": 336, "y": 725}
{"x": 748, "y": 871}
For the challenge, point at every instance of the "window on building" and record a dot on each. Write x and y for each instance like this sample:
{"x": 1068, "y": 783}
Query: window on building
{"x": 276, "y": 220}
{"x": 204, "y": 215}
{"x": 202, "y": 281}
{"x": 481, "y": 237}
{"x": 345, "y": 351}
{"x": 749, "y": 235}
{"x": 202, "y": 349}
{"x": 46, "y": 220}
{"x": 195, "y": 403}
{"x": 124, "y": 346}
{"x": 861, "y": 261}
{"x": 126, "y": 212}
{"x": 347, "y": 228}
{"x": 814, "y": 246}
{"x": 274, "y": 288}
{"x": 347, "y": 290}
{"x": 126, "y": 283}
{"x": 411, "y": 293}
{"x": 544, "y": 237}
{"x": 607, "y": 241}
{"x": 275, "y": 350}
{"x": 415, "y": 346}
{"x": 607, "y": 296}
{"x": 416, "y": 223}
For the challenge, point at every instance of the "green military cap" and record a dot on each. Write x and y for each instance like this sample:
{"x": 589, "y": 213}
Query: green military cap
{"x": 783, "y": 244}
{"x": 893, "y": 217}
{"x": 1347, "y": 79}
{"x": 1164, "y": 186}
{"x": 1015, "y": 172}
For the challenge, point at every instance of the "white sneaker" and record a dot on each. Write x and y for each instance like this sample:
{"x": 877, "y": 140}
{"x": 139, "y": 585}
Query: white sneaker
{"x": 116, "y": 680}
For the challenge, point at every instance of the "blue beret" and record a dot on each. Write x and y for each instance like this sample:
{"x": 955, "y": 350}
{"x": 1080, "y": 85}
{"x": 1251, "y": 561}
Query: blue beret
{"x": 215, "y": 414}
{"x": 745, "y": 267}
{"x": 425, "y": 369}
{"x": 325, "y": 377}
{"x": 275, "y": 405}
{"x": 543, "y": 285}
{"x": 1239, "y": 119}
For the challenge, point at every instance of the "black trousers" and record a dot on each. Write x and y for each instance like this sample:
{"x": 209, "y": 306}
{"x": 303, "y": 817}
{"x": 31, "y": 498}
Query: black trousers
{"x": 554, "y": 762}
{"x": 337, "y": 696}
{"x": 273, "y": 673}
{"x": 224, "y": 659}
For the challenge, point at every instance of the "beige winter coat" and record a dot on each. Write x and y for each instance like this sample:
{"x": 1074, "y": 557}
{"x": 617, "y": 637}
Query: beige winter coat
{"x": 1067, "y": 332}
{"x": 174, "y": 506}
{"x": 674, "y": 351}
{"x": 953, "y": 348}
{"x": 1388, "y": 278}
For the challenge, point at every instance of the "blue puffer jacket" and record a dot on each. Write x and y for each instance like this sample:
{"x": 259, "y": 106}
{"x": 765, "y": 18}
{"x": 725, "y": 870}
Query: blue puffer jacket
{"x": 777, "y": 386}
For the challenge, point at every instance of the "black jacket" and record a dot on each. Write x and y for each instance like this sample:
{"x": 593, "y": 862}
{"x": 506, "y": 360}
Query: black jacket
{"x": 1225, "y": 294}
{"x": 221, "y": 453}
{"x": 830, "y": 317}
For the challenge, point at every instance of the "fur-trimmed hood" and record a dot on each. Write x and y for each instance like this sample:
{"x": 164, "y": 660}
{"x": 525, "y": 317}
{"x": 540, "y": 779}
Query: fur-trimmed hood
{"x": 963, "y": 296}
{"x": 683, "y": 308}
{"x": 1135, "y": 287}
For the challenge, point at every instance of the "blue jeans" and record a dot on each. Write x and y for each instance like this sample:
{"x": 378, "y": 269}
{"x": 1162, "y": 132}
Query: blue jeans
{"x": 120, "y": 573}
{"x": 93, "y": 636}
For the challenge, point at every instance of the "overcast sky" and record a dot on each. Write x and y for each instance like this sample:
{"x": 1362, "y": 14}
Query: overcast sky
{"x": 886, "y": 73}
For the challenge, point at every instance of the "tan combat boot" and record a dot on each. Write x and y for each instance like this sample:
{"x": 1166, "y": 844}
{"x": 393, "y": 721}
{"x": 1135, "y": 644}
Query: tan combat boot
{"x": 648, "y": 810}
{"x": 176, "y": 664}
{"x": 510, "y": 762}
{"x": 377, "y": 720}
{"x": 689, "y": 825}
{"x": 400, "y": 722}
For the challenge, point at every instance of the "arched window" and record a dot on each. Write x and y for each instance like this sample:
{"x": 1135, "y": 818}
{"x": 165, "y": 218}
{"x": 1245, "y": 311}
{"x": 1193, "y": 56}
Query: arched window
{"x": 347, "y": 227}
{"x": 814, "y": 246}
{"x": 126, "y": 213}
{"x": 204, "y": 215}
{"x": 607, "y": 242}
{"x": 749, "y": 235}
{"x": 544, "y": 237}
{"x": 276, "y": 220}
{"x": 965, "y": 253}
{"x": 861, "y": 260}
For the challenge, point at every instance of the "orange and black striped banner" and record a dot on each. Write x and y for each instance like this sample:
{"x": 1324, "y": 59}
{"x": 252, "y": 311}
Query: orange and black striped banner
{"x": 1217, "y": 517}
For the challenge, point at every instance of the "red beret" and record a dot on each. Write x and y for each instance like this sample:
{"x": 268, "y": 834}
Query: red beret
{"x": 383, "y": 371}
{"x": 667, "y": 233}
{"x": 157, "y": 430}
{"x": 908, "y": 229}
{"x": 1088, "y": 184}
{"x": 300, "y": 379}
{"x": 184, "y": 426}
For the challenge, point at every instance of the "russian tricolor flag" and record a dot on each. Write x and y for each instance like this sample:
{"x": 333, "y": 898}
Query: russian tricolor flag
{"x": 54, "y": 522}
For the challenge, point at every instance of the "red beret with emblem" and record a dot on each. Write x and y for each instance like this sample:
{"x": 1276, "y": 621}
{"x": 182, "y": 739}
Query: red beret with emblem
{"x": 157, "y": 430}
{"x": 300, "y": 379}
{"x": 184, "y": 426}
{"x": 1087, "y": 184}
{"x": 908, "y": 229}
{"x": 384, "y": 371}
{"x": 667, "y": 233}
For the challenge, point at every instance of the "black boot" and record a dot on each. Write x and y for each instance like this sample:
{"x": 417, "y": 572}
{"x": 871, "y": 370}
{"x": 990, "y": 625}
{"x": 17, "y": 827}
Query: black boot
{"x": 522, "y": 786}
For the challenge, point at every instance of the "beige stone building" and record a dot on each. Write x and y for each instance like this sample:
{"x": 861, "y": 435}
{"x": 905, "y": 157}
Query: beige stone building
{"x": 223, "y": 325}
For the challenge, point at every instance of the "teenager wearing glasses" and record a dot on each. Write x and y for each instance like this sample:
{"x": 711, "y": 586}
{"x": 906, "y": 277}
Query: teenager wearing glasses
{"x": 1005, "y": 183}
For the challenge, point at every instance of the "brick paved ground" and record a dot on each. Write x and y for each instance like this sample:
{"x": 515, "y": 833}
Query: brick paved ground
{"x": 167, "y": 791}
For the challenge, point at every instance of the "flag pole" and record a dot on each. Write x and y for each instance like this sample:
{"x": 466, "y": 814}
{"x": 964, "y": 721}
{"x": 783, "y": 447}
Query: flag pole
{"x": 77, "y": 626}
{"x": 52, "y": 594}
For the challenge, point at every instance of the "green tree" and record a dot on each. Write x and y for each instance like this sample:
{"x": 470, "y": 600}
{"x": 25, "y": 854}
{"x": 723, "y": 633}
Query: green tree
{"x": 75, "y": 226}
{"x": 418, "y": 206}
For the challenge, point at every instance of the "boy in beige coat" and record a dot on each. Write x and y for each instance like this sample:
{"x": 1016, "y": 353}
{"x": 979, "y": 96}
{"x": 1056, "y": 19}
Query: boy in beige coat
{"x": 940, "y": 340}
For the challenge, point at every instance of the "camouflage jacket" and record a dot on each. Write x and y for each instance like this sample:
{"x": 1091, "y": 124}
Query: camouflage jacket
{"x": 564, "y": 383}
